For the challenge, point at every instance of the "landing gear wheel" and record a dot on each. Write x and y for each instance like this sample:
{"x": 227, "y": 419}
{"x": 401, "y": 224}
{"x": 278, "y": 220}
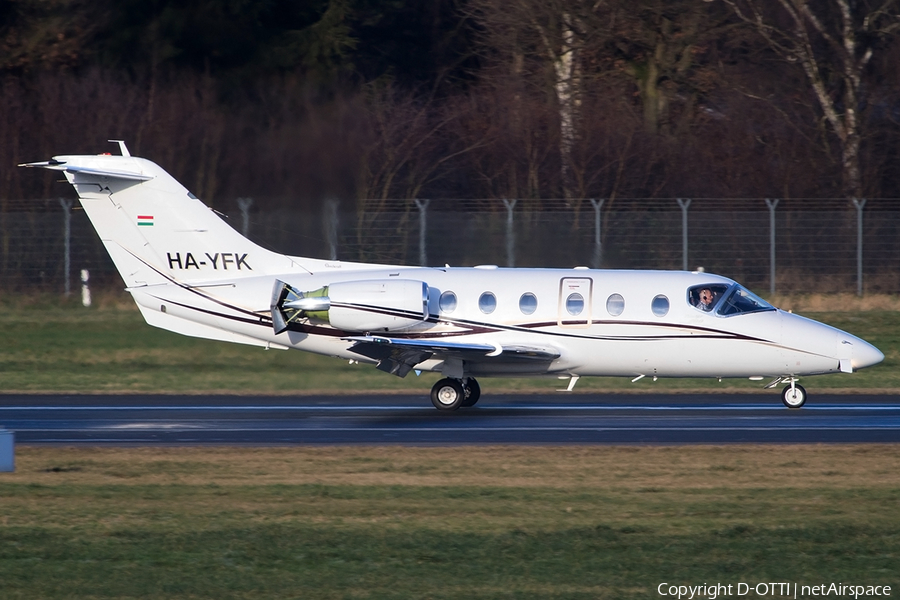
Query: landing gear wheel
{"x": 448, "y": 394}
{"x": 793, "y": 396}
{"x": 473, "y": 392}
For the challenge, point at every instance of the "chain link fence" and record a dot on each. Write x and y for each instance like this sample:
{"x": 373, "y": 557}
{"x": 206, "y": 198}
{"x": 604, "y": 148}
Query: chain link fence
{"x": 763, "y": 243}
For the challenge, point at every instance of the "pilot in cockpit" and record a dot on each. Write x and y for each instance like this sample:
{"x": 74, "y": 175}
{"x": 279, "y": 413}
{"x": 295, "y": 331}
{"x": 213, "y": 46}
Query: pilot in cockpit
{"x": 706, "y": 299}
{"x": 726, "y": 300}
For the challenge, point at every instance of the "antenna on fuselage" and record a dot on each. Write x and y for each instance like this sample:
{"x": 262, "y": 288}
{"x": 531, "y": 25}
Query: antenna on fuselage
{"x": 122, "y": 147}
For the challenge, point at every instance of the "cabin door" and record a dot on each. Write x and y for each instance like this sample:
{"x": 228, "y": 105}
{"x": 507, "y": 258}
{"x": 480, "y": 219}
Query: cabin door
{"x": 575, "y": 301}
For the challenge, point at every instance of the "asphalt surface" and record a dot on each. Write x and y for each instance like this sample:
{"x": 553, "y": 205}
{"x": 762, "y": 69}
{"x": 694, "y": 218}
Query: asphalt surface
{"x": 399, "y": 419}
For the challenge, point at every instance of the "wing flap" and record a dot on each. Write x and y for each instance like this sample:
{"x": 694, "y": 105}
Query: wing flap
{"x": 399, "y": 356}
{"x": 529, "y": 353}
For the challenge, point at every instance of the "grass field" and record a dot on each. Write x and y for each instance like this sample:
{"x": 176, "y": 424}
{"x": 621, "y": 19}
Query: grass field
{"x": 48, "y": 346}
{"x": 461, "y": 523}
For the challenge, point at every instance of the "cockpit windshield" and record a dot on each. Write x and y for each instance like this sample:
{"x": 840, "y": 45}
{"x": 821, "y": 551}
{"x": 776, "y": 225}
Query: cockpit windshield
{"x": 726, "y": 300}
{"x": 740, "y": 301}
{"x": 705, "y": 297}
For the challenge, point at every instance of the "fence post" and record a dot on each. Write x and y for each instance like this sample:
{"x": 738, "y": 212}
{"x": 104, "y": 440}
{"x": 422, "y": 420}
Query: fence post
{"x": 510, "y": 233}
{"x": 859, "y": 204}
{"x": 244, "y": 204}
{"x": 66, "y": 204}
{"x": 598, "y": 246}
{"x": 422, "y": 205}
{"x": 684, "y": 203}
{"x": 331, "y": 227}
{"x": 772, "y": 203}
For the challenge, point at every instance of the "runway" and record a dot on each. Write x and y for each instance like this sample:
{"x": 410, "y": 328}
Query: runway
{"x": 398, "y": 419}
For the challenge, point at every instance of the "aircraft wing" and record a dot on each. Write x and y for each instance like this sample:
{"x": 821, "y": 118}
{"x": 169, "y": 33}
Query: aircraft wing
{"x": 399, "y": 356}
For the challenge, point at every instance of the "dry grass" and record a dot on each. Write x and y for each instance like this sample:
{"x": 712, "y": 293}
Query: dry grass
{"x": 836, "y": 302}
{"x": 526, "y": 488}
{"x": 627, "y": 468}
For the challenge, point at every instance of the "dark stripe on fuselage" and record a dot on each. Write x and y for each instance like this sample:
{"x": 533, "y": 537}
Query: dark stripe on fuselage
{"x": 471, "y": 327}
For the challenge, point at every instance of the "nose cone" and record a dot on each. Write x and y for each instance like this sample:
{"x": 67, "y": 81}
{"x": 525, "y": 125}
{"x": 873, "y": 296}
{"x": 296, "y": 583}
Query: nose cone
{"x": 865, "y": 354}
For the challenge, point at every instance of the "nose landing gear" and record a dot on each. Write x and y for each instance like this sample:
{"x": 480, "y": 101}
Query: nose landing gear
{"x": 450, "y": 394}
{"x": 794, "y": 395}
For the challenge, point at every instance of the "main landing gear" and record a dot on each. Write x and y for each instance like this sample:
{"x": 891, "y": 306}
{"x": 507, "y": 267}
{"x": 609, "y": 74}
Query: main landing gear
{"x": 450, "y": 394}
{"x": 794, "y": 395}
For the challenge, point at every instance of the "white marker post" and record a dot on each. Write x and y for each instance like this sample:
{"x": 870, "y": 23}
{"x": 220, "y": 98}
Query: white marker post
{"x": 85, "y": 290}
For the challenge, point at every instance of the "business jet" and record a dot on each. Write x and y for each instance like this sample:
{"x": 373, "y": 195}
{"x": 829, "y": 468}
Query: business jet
{"x": 191, "y": 273}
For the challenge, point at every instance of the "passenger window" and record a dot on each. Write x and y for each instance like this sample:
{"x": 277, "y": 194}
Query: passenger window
{"x": 574, "y": 304}
{"x": 487, "y": 303}
{"x": 660, "y": 306}
{"x": 706, "y": 296}
{"x": 615, "y": 305}
{"x": 528, "y": 303}
{"x": 447, "y": 302}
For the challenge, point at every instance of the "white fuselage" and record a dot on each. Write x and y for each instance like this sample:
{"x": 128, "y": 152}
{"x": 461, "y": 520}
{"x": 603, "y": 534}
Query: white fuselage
{"x": 683, "y": 342}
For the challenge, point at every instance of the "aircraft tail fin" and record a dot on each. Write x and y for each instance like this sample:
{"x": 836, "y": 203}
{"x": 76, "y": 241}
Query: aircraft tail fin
{"x": 155, "y": 230}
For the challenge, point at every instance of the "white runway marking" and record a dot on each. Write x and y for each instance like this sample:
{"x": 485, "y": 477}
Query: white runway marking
{"x": 485, "y": 406}
{"x": 462, "y": 429}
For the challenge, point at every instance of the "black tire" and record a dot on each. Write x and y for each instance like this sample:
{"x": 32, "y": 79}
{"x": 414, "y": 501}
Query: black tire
{"x": 793, "y": 396}
{"x": 473, "y": 392}
{"x": 448, "y": 394}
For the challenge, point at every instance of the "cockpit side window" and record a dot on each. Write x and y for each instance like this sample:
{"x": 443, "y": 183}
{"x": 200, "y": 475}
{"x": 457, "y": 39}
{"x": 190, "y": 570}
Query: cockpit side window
{"x": 741, "y": 301}
{"x": 706, "y": 297}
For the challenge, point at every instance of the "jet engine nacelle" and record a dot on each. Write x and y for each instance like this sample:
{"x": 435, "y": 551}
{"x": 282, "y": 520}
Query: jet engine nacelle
{"x": 354, "y": 306}
{"x": 377, "y": 305}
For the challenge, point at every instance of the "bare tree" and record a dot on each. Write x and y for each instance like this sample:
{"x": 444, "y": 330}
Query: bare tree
{"x": 546, "y": 42}
{"x": 408, "y": 144}
{"x": 833, "y": 41}
{"x": 661, "y": 46}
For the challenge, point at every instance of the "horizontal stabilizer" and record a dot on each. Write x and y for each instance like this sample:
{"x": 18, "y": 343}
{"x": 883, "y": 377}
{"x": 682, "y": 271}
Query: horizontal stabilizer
{"x": 130, "y": 176}
{"x": 56, "y": 165}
